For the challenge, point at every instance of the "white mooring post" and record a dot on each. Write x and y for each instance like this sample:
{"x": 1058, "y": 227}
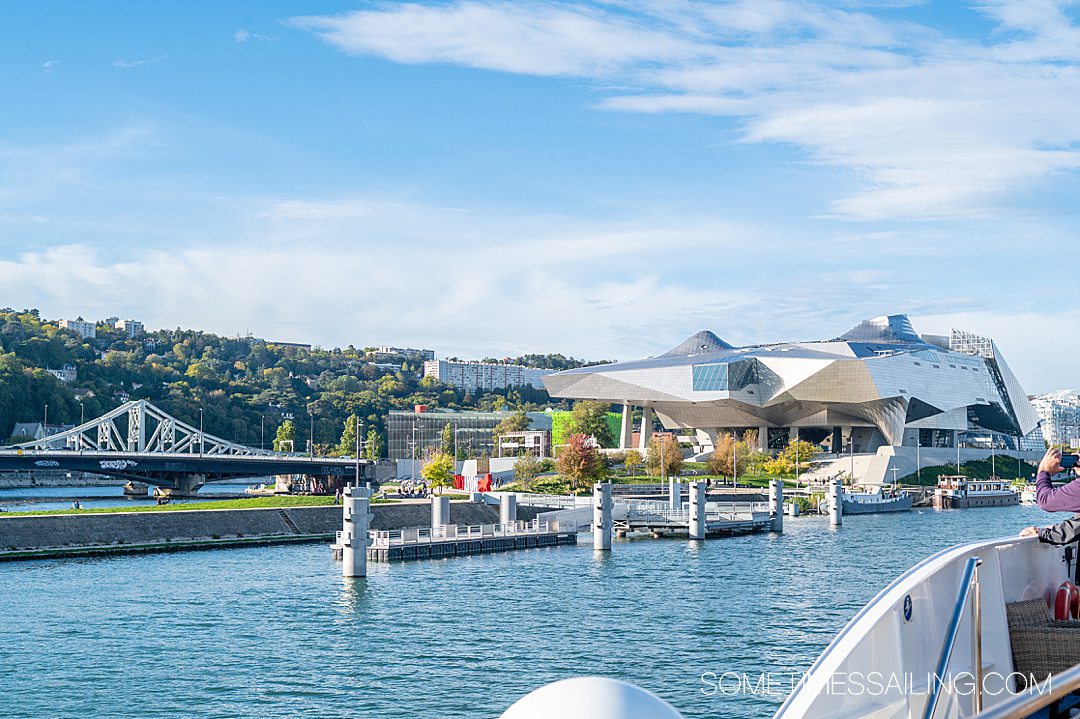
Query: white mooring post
{"x": 674, "y": 494}
{"x": 440, "y": 511}
{"x": 697, "y": 510}
{"x": 836, "y": 504}
{"x": 507, "y": 508}
{"x": 602, "y": 524}
{"x": 776, "y": 504}
{"x": 354, "y": 531}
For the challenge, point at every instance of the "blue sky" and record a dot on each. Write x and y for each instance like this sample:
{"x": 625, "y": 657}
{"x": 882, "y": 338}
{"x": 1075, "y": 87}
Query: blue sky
{"x": 600, "y": 179}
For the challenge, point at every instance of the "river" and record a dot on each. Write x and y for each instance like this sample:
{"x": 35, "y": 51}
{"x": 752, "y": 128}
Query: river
{"x": 276, "y": 632}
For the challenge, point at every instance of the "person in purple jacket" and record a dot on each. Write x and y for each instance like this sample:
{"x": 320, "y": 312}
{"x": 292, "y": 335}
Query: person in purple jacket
{"x": 1050, "y": 498}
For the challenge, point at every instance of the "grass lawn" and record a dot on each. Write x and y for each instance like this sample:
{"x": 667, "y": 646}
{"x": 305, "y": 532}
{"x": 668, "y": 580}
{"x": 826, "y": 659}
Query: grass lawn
{"x": 977, "y": 469}
{"x": 253, "y": 503}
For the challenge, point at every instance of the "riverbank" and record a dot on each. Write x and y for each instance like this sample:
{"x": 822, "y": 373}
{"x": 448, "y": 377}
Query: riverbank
{"x": 40, "y": 536}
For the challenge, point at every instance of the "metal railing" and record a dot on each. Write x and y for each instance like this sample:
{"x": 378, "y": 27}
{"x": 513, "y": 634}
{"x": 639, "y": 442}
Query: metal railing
{"x": 1025, "y": 704}
{"x": 969, "y": 580}
{"x": 714, "y": 511}
{"x": 449, "y": 532}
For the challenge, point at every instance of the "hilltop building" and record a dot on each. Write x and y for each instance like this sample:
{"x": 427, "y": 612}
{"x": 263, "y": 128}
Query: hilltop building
{"x": 132, "y": 328}
{"x": 405, "y": 352}
{"x": 876, "y": 389}
{"x": 473, "y": 376}
{"x": 86, "y": 330}
{"x": 67, "y": 373}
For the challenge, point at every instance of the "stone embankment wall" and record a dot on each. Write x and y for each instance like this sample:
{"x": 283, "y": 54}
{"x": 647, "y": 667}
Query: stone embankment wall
{"x": 160, "y": 530}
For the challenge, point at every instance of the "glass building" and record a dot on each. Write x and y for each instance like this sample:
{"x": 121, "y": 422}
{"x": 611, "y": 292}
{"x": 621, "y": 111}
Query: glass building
{"x": 421, "y": 432}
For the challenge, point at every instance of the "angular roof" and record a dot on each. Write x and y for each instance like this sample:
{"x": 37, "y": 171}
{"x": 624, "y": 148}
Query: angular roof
{"x": 699, "y": 343}
{"x": 887, "y": 328}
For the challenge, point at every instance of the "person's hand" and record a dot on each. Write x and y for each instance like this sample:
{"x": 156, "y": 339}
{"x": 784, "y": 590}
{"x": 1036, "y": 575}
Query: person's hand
{"x": 1051, "y": 461}
{"x": 1029, "y": 532}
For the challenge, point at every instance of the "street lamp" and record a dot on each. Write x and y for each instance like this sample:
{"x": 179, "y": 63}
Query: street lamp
{"x": 82, "y": 414}
{"x": 200, "y": 431}
{"x": 311, "y": 436}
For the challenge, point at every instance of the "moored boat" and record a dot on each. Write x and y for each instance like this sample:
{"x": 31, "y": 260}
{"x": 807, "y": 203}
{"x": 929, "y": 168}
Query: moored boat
{"x": 876, "y": 500}
{"x": 958, "y": 492}
{"x": 1028, "y": 495}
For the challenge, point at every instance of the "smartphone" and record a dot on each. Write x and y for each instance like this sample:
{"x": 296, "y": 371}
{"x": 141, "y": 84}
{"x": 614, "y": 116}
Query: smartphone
{"x": 1068, "y": 461}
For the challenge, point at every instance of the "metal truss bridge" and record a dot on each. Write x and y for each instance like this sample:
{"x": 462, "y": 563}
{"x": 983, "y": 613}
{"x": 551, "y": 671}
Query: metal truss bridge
{"x": 140, "y": 442}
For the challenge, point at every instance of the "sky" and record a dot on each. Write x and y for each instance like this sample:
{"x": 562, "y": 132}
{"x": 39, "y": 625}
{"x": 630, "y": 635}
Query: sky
{"x": 599, "y": 179}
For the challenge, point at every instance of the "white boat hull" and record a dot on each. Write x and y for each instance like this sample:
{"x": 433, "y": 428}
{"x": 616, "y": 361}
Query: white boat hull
{"x": 895, "y": 641}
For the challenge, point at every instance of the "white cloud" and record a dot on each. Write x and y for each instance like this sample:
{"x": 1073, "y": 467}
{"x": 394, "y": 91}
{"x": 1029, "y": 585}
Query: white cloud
{"x": 48, "y": 66}
{"x": 129, "y": 64}
{"x": 243, "y": 35}
{"x": 930, "y": 126}
{"x": 548, "y": 39}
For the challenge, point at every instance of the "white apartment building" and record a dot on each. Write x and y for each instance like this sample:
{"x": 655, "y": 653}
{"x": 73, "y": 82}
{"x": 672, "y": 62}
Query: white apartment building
{"x": 86, "y": 330}
{"x": 131, "y": 328}
{"x": 472, "y": 376}
{"x": 1060, "y": 414}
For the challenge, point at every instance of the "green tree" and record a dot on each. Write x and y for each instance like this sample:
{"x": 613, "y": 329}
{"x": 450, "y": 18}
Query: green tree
{"x": 799, "y": 451}
{"x": 516, "y": 422}
{"x": 526, "y": 468}
{"x": 438, "y": 471}
{"x": 446, "y": 439}
{"x": 591, "y": 419}
{"x": 632, "y": 461}
{"x": 285, "y": 440}
{"x": 347, "y": 445}
{"x": 373, "y": 447}
{"x": 664, "y": 456}
{"x": 580, "y": 462}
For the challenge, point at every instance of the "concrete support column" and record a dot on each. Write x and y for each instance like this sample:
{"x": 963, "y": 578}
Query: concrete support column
{"x": 836, "y": 503}
{"x": 354, "y": 531}
{"x": 776, "y": 504}
{"x": 674, "y": 494}
{"x": 440, "y": 511}
{"x": 602, "y": 524}
{"x": 763, "y": 438}
{"x": 507, "y": 508}
{"x": 698, "y": 499}
{"x": 626, "y": 430}
{"x": 184, "y": 485}
{"x": 646, "y": 428}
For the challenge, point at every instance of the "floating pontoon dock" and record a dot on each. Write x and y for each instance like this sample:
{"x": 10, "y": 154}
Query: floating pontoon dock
{"x": 403, "y": 545}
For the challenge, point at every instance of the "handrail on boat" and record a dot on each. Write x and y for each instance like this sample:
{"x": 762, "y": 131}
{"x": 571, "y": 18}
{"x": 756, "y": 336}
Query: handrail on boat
{"x": 1023, "y": 705}
{"x": 970, "y": 568}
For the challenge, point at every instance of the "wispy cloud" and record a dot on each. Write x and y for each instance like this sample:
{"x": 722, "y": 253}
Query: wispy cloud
{"x": 243, "y": 35}
{"x": 48, "y": 66}
{"x": 128, "y": 64}
{"x": 928, "y": 125}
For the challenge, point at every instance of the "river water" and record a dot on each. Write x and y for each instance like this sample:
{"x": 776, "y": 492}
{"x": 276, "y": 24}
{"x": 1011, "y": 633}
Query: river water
{"x": 276, "y": 632}
{"x": 38, "y": 499}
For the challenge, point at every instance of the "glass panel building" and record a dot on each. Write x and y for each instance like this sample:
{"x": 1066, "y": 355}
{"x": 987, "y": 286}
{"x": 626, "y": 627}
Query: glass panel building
{"x": 422, "y": 431}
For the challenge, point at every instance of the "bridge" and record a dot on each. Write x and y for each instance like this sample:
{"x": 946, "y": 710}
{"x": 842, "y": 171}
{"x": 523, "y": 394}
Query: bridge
{"x": 140, "y": 442}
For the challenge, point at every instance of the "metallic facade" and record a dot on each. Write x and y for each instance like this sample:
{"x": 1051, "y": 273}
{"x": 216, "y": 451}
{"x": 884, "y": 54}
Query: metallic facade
{"x": 878, "y": 384}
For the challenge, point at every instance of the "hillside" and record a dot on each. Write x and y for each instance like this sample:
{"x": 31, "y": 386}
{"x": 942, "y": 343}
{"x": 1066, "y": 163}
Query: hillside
{"x": 245, "y": 386}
